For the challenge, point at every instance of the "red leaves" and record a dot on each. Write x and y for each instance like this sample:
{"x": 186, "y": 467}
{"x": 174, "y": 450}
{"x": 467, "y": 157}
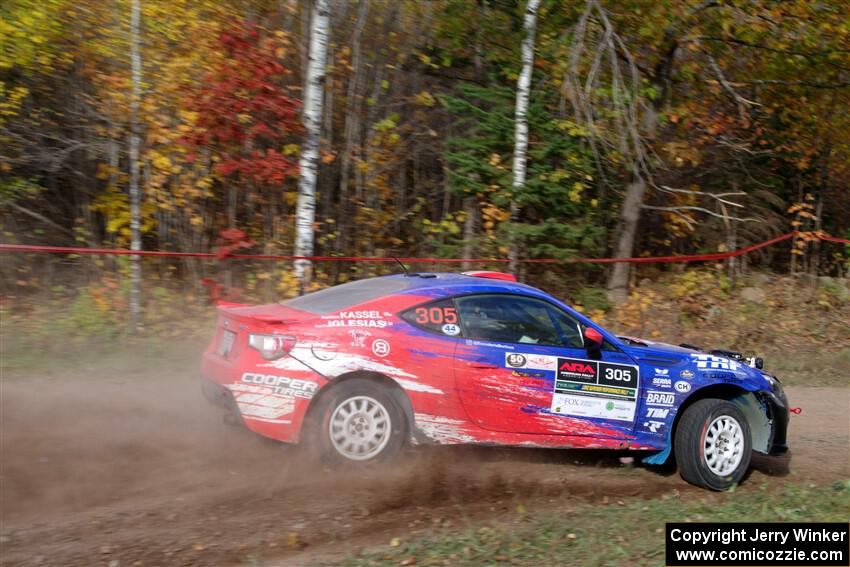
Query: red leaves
{"x": 230, "y": 240}
{"x": 270, "y": 168}
{"x": 245, "y": 113}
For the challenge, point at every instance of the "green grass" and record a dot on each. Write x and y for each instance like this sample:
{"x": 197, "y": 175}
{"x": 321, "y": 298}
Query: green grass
{"x": 612, "y": 535}
{"x": 826, "y": 368}
{"x": 68, "y": 356}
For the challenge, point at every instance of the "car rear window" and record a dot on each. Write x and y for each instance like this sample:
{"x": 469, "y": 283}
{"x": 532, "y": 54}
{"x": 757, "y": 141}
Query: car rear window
{"x": 346, "y": 295}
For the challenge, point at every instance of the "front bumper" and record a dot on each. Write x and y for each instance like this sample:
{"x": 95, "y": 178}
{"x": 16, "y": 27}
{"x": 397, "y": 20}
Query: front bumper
{"x": 776, "y": 404}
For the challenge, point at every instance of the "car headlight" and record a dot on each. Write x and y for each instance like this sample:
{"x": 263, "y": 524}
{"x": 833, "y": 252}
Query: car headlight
{"x": 774, "y": 382}
{"x": 271, "y": 347}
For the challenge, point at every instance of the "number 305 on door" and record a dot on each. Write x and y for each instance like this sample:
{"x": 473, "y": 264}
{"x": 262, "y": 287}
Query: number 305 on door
{"x": 618, "y": 375}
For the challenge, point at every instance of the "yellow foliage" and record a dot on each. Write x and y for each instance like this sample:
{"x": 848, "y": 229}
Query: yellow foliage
{"x": 425, "y": 99}
{"x": 10, "y": 103}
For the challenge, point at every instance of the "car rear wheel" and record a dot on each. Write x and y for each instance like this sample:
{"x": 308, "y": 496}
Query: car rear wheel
{"x": 361, "y": 423}
{"x": 713, "y": 444}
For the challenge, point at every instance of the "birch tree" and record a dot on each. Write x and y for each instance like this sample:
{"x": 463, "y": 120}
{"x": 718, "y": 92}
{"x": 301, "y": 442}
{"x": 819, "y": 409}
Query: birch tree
{"x": 135, "y": 190}
{"x": 523, "y": 87}
{"x": 305, "y": 213}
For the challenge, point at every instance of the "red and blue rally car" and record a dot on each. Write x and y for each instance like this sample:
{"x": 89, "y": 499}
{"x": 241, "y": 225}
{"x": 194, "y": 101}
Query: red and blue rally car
{"x": 361, "y": 369}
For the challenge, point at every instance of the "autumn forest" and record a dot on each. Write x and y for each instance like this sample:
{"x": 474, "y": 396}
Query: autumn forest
{"x": 474, "y": 129}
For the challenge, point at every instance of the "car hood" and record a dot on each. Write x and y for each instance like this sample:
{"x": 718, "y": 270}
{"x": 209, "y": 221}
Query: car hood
{"x": 679, "y": 358}
{"x": 642, "y": 347}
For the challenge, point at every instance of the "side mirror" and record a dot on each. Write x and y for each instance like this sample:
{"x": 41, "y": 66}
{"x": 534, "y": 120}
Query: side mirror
{"x": 593, "y": 342}
{"x": 593, "y": 336}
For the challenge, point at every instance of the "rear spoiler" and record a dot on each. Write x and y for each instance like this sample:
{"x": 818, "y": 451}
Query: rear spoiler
{"x": 221, "y": 304}
{"x": 232, "y": 310}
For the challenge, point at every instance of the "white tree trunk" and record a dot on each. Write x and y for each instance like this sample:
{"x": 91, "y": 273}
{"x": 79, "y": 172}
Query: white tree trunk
{"x": 523, "y": 87}
{"x": 135, "y": 190}
{"x": 305, "y": 213}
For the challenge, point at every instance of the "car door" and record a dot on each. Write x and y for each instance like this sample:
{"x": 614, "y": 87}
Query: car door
{"x": 523, "y": 367}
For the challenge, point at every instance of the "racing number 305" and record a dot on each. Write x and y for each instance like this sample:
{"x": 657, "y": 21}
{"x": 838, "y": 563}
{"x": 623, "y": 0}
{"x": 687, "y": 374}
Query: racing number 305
{"x": 621, "y": 375}
{"x": 618, "y": 374}
{"x": 436, "y": 315}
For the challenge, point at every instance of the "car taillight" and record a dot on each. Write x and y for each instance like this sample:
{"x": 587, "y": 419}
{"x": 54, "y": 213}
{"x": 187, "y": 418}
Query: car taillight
{"x": 271, "y": 347}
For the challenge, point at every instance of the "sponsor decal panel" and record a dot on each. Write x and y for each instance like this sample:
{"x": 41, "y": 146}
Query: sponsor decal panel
{"x": 662, "y": 382}
{"x": 575, "y": 370}
{"x": 374, "y": 319}
{"x": 282, "y": 385}
{"x": 542, "y": 362}
{"x": 653, "y": 426}
{"x": 657, "y": 413}
{"x": 590, "y": 388}
{"x": 380, "y": 347}
{"x": 682, "y": 387}
{"x": 723, "y": 376}
{"x": 269, "y": 397}
{"x": 515, "y": 360}
{"x": 502, "y": 346}
{"x": 358, "y": 337}
{"x": 587, "y": 406}
{"x": 451, "y": 329}
{"x": 532, "y": 361}
{"x": 660, "y": 398}
{"x": 596, "y": 389}
{"x": 662, "y": 371}
{"x": 686, "y": 374}
{"x": 712, "y": 362}
{"x": 527, "y": 374}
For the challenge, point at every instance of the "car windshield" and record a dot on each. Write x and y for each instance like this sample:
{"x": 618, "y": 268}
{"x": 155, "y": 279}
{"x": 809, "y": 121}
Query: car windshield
{"x": 339, "y": 297}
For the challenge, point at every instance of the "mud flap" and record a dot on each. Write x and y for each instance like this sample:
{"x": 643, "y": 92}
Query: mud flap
{"x": 661, "y": 457}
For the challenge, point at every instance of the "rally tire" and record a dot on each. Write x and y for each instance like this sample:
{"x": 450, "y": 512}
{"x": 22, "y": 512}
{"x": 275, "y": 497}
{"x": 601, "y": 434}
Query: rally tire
{"x": 361, "y": 423}
{"x": 713, "y": 445}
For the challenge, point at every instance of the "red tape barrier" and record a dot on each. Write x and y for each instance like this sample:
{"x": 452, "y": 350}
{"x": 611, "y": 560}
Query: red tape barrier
{"x": 648, "y": 260}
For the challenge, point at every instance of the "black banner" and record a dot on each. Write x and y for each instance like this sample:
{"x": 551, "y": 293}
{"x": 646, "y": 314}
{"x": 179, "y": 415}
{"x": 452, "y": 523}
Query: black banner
{"x": 758, "y": 544}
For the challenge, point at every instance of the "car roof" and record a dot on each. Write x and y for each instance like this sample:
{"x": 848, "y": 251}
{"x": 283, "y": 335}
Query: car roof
{"x": 434, "y": 284}
{"x": 444, "y": 280}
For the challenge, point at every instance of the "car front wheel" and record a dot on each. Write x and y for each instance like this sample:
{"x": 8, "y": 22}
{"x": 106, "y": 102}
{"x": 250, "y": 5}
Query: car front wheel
{"x": 713, "y": 444}
{"x": 361, "y": 423}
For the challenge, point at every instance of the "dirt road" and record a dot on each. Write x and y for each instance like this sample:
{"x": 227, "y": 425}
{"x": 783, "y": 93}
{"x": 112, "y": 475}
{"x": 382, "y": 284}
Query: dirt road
{"x": 135, "y": 469}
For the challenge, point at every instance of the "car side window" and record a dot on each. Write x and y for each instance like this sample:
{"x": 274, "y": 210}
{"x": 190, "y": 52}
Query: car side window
{"x": 571, "y": 330}
{"x": 508, "y": 319}
{"x": 438, "y": 317}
